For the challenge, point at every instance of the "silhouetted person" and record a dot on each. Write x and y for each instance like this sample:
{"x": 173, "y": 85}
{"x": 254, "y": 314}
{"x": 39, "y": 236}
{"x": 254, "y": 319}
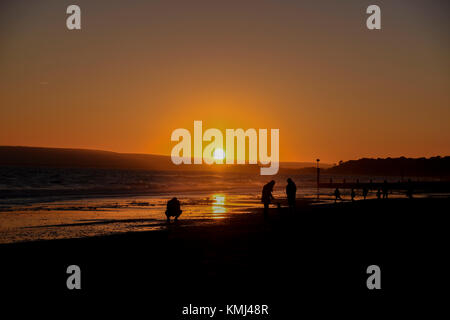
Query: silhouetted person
{"x": 353, "y": 194}
{"x": 409, "y": 191}
{"x": 337, "y": 195}
{"x": 365, "y": 191}
{"x": 379, "y": 194}
{"x": 267, "y": 196}
{"x": 291, "y": 190}
{"x": 173, "y": 209}
{"x": 385, "y": 190}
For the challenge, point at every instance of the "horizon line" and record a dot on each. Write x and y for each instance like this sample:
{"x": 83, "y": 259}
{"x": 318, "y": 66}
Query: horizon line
{"x": 163, "y": 155}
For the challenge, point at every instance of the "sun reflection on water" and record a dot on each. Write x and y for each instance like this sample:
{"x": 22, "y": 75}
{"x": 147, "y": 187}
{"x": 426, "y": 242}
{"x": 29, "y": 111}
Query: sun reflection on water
{"x": 218, "y": 205}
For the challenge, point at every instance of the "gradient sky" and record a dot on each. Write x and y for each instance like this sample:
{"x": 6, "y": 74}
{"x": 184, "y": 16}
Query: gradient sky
{"x": 140, "y": 69}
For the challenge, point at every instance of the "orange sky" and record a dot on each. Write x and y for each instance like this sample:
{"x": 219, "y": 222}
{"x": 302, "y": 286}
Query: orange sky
{"x": 139, "y": 69}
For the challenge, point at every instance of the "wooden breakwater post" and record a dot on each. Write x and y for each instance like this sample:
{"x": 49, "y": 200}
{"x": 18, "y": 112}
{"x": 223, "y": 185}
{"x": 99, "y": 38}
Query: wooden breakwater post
{"x": 417, "y": 186}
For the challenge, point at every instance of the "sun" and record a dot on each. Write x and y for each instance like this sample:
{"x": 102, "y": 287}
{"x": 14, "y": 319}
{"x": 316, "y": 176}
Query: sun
{"x": 219, "y": 154}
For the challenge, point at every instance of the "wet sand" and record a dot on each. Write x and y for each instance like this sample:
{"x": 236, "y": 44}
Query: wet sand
{"x": 312, "y": 260}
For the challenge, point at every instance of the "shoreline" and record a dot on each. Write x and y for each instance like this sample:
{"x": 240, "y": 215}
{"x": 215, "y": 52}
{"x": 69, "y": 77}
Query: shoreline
{"x": 252, "y": 219}
{"x": 320, "y": 251}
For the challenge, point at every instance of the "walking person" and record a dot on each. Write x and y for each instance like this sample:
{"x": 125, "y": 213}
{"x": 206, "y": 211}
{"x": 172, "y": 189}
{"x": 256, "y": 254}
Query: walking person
{"x": 337, "y": 195}
{"x": 365, "y": 191}
{"x": 385, "y": 189}
{"x": 267, "y": 196}
{"x": 353, "y": 194}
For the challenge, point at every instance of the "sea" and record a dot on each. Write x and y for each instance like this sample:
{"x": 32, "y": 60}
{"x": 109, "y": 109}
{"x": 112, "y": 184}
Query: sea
{"x": 40, "y": 203}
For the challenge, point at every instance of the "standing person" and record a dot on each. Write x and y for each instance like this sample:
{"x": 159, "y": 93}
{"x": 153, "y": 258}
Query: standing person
{"x": 291, "y": 190}
{"x": 353, "y": 194}
{"x": 409, "y": 191}
{"x": 337, "y": 195}
{"x": 365, "y": 192}
{"x": 267, "y": 196}
{"x": 379, "y": 194}
{"x": 385, "y": 190}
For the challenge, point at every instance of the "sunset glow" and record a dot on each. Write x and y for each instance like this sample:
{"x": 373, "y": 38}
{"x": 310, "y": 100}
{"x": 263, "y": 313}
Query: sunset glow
{"x": 334, "y": 89}
{"x": 196, "y": 159}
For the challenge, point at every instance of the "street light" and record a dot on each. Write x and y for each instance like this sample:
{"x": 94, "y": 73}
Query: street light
{"x": 318, "y": 176}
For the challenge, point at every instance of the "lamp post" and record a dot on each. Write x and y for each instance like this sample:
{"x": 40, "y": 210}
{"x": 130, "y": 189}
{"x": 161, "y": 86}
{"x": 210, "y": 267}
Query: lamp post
{"x": 318, "y": 177}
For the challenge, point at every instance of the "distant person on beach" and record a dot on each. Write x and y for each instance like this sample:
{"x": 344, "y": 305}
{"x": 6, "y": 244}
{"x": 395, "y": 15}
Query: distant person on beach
{"x": 379, "y": 194}
{"x": 173, "y": 209}
{"x": 267, "y": 196}
{"x": 365, "y": 191}
{"x": 353, "y": 194}
{"x": 385, "y": 190}
{"x": 337, "y": 195}
{"x": 291, "y": 190}
{"x": 409, "y": 191}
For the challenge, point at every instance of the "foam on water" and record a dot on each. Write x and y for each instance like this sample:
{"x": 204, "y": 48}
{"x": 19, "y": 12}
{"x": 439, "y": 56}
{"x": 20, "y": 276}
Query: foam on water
{"x": 52, "y": 203}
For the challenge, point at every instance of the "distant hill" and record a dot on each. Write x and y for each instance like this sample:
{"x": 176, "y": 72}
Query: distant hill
{"x": 85, "y": 158}
{"x": 407, "y": 167}
{"x": 78, "y": 158}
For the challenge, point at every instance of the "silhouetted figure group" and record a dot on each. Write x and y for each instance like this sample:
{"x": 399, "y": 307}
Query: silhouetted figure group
{"x": 267, "y": 197}
{"x": 174, "y": 209}
{"x": 337, "y": 194}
